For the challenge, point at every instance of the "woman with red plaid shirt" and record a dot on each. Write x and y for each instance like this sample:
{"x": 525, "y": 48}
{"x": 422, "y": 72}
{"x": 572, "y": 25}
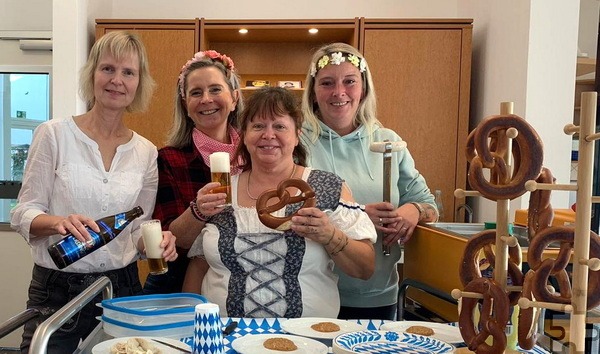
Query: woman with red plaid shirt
{"x": 208, "y": 100}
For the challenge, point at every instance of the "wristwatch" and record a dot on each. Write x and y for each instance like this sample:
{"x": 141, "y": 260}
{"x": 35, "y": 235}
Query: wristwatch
{"x": 420, "y": 209}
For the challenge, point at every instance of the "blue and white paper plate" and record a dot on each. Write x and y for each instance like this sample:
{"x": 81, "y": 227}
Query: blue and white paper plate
{"x": 388, "y": 342}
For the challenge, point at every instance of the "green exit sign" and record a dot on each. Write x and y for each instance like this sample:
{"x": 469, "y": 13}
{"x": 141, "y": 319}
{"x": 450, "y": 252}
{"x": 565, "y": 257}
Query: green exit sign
{"x": 21, "y": 114}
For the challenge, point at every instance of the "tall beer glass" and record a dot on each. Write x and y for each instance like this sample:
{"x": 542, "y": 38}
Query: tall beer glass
{"x": 220, "y": 171}
{"x": 152, "y": 235}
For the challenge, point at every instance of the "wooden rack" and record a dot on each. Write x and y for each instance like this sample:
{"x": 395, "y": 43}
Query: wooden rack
{"x": 582, "y": 263}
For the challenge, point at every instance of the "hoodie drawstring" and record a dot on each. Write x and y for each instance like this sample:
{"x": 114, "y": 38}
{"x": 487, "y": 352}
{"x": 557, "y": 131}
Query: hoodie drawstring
{"x": 364, "y": 154}
{"x": 331, "y": 152}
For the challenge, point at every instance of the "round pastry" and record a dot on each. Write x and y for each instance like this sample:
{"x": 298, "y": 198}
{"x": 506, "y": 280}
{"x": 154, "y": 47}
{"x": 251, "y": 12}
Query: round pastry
{"x": 281, "y": 344}
{"x": 422, "y": 330}
{"x": 326, "y": 327}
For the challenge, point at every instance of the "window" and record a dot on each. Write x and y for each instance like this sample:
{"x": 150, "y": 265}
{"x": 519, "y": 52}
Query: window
{"x": 24, "y": 104}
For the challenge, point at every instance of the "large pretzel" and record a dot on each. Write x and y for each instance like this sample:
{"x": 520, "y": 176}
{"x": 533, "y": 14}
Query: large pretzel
{"x": 557, "y": 267}
{"x": 469, "y": 266}
{"x": 527, "y": 326}
{"x": 540, "y": 213}
{"x": 493, "y": 317}
{"x": 307, "y": 195}
{"x": 527, "y": 149}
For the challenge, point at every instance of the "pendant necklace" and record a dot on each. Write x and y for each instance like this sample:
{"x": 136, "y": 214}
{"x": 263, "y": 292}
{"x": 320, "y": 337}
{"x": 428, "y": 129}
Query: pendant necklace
{"x": 248, "y": 182}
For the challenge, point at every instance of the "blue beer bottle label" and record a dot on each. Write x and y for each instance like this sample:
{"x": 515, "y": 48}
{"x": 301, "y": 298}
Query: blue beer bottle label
{"x": 73, "y": 249}
{"x": 120, "y": 220}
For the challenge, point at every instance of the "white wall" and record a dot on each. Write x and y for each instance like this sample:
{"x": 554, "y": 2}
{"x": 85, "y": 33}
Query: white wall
{"x": 521, "y": 55}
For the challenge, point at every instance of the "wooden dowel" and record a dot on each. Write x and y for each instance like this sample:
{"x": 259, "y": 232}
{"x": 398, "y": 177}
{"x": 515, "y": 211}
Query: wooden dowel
{"x": 532, "y": 185}
{"x": 457, "y": 294}
{"x": 512, "y": 133}
{"x": 525, "y": 303}
{"x": 571, "y": 129}
{"x": 461, "y": 193}
{"x": 511, "y": 241}
{"x": 595, "y": 199}
{"x": 592, "y": 263}
{"x": 592, "y": 137}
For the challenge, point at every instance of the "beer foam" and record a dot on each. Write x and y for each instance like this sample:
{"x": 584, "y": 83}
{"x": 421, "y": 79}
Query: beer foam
{"x": 219, "y": 162}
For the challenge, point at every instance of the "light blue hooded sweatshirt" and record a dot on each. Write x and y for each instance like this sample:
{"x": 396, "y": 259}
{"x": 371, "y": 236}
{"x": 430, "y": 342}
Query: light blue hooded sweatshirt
{"x": 350, "y": 158}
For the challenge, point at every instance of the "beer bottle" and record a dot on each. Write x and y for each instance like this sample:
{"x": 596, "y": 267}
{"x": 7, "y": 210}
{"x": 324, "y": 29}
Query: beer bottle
{"x": 69, "y": 249}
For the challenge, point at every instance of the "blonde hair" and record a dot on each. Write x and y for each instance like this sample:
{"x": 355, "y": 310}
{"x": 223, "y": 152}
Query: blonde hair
{"x": 367, "y": 109}
{"x": 119, "y": 44}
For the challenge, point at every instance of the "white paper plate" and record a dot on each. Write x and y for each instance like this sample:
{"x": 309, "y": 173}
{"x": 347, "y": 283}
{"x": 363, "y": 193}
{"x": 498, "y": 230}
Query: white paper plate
{"x": 444, "y": 332}
{"x": 104, "y": 347}
{"x": 253, "y": 344}
{"x": 388, "y": 342}
{"x": 301, "y": 327}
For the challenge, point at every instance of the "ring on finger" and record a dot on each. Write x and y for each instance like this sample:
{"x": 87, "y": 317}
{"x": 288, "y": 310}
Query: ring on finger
{"x": 380, "y": 221}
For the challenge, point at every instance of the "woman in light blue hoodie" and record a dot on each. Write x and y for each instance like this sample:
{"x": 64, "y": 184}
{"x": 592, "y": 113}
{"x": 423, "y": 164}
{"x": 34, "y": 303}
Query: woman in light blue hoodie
{"x": 340, "y": 125}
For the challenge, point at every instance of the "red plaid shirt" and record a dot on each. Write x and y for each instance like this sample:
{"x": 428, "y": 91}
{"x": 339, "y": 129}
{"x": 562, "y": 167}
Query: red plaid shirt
{"x": 181, "y": 172}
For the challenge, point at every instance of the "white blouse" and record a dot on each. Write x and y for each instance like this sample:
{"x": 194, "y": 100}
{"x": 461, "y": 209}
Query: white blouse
{"x": 256, "y": 245}
{"x": 65, "y": 175}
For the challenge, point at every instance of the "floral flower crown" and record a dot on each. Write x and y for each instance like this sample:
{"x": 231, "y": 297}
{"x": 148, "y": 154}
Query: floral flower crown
{"x": 336, "y": 59}
{"x": 210, "y": 54}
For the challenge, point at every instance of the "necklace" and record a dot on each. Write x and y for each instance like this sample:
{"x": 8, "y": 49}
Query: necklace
{"x": 248, "y": 182}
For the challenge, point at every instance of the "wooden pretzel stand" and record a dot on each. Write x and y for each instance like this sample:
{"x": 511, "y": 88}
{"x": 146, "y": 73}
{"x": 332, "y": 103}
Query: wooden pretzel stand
{"x": 582, "y": 264}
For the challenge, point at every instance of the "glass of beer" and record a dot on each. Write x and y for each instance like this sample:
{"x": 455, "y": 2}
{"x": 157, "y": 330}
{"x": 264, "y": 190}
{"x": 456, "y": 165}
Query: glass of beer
{"x": 152, "y": 235}
{"x": 220, "y": 171}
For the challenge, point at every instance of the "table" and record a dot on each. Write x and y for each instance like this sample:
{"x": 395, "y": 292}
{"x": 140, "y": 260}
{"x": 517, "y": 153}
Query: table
{"x": 245, "y": 326}
{"x": 267, "y": 326}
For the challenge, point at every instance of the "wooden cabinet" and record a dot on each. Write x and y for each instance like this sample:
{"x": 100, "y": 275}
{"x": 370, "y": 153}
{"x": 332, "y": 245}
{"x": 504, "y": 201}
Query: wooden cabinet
{"x": 274, "y": 50}
{"x": 169, "y": 44}
{"x": 421, "y": 71}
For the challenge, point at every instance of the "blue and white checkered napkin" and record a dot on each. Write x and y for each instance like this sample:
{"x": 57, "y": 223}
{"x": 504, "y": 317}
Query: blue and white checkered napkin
{"x": 208, "y": 338}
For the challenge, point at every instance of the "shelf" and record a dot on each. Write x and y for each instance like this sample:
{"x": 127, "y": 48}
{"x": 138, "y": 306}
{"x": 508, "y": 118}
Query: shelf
{"x": 585, "y": 66}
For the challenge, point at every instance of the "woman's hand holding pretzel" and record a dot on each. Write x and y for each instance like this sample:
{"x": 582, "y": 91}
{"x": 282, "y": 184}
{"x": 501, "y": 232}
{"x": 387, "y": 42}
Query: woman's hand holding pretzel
{"x": 314, "y": 224}
{"x": 397, "y": 224}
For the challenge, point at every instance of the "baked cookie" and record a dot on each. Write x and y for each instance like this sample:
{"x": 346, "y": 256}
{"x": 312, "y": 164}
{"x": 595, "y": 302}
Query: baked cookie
{"x": 281, "y": 344}
{"x": 325, "y": 327}
{"x": 422, "y": 330}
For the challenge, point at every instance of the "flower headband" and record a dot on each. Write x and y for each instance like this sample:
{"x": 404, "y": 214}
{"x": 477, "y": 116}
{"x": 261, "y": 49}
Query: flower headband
{"x": 207, "y": 54}
{"x": 336, "y": 59}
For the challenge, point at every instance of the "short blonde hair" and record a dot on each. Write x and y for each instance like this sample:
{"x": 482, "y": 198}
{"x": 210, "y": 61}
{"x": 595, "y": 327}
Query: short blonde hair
{"x": 119, "y": 44}
{"x": 367, "y": 109}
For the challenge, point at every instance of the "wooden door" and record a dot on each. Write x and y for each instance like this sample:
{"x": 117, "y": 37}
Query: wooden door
{"x": 421, "y": 75}
{"x": 169, "y": 46}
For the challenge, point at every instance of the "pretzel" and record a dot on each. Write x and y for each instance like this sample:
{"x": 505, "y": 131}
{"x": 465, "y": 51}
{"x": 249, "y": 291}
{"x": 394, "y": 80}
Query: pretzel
{"x": 527, "y": 326}
{"x": 492, "y": 321}
{"x": 307, "y": 196}
{"x": 557, "y": 267}
{"x": 527, "y": 164}
{"x": 469, "y": 266}
{"x": 540, "y": 214}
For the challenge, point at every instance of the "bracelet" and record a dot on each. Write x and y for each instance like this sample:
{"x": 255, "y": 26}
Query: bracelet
{"x": 335, "y": 253}
{"x": 331, "y": 238}
{"x": 196, "y": 211}
{"x": 420, "y": 209}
